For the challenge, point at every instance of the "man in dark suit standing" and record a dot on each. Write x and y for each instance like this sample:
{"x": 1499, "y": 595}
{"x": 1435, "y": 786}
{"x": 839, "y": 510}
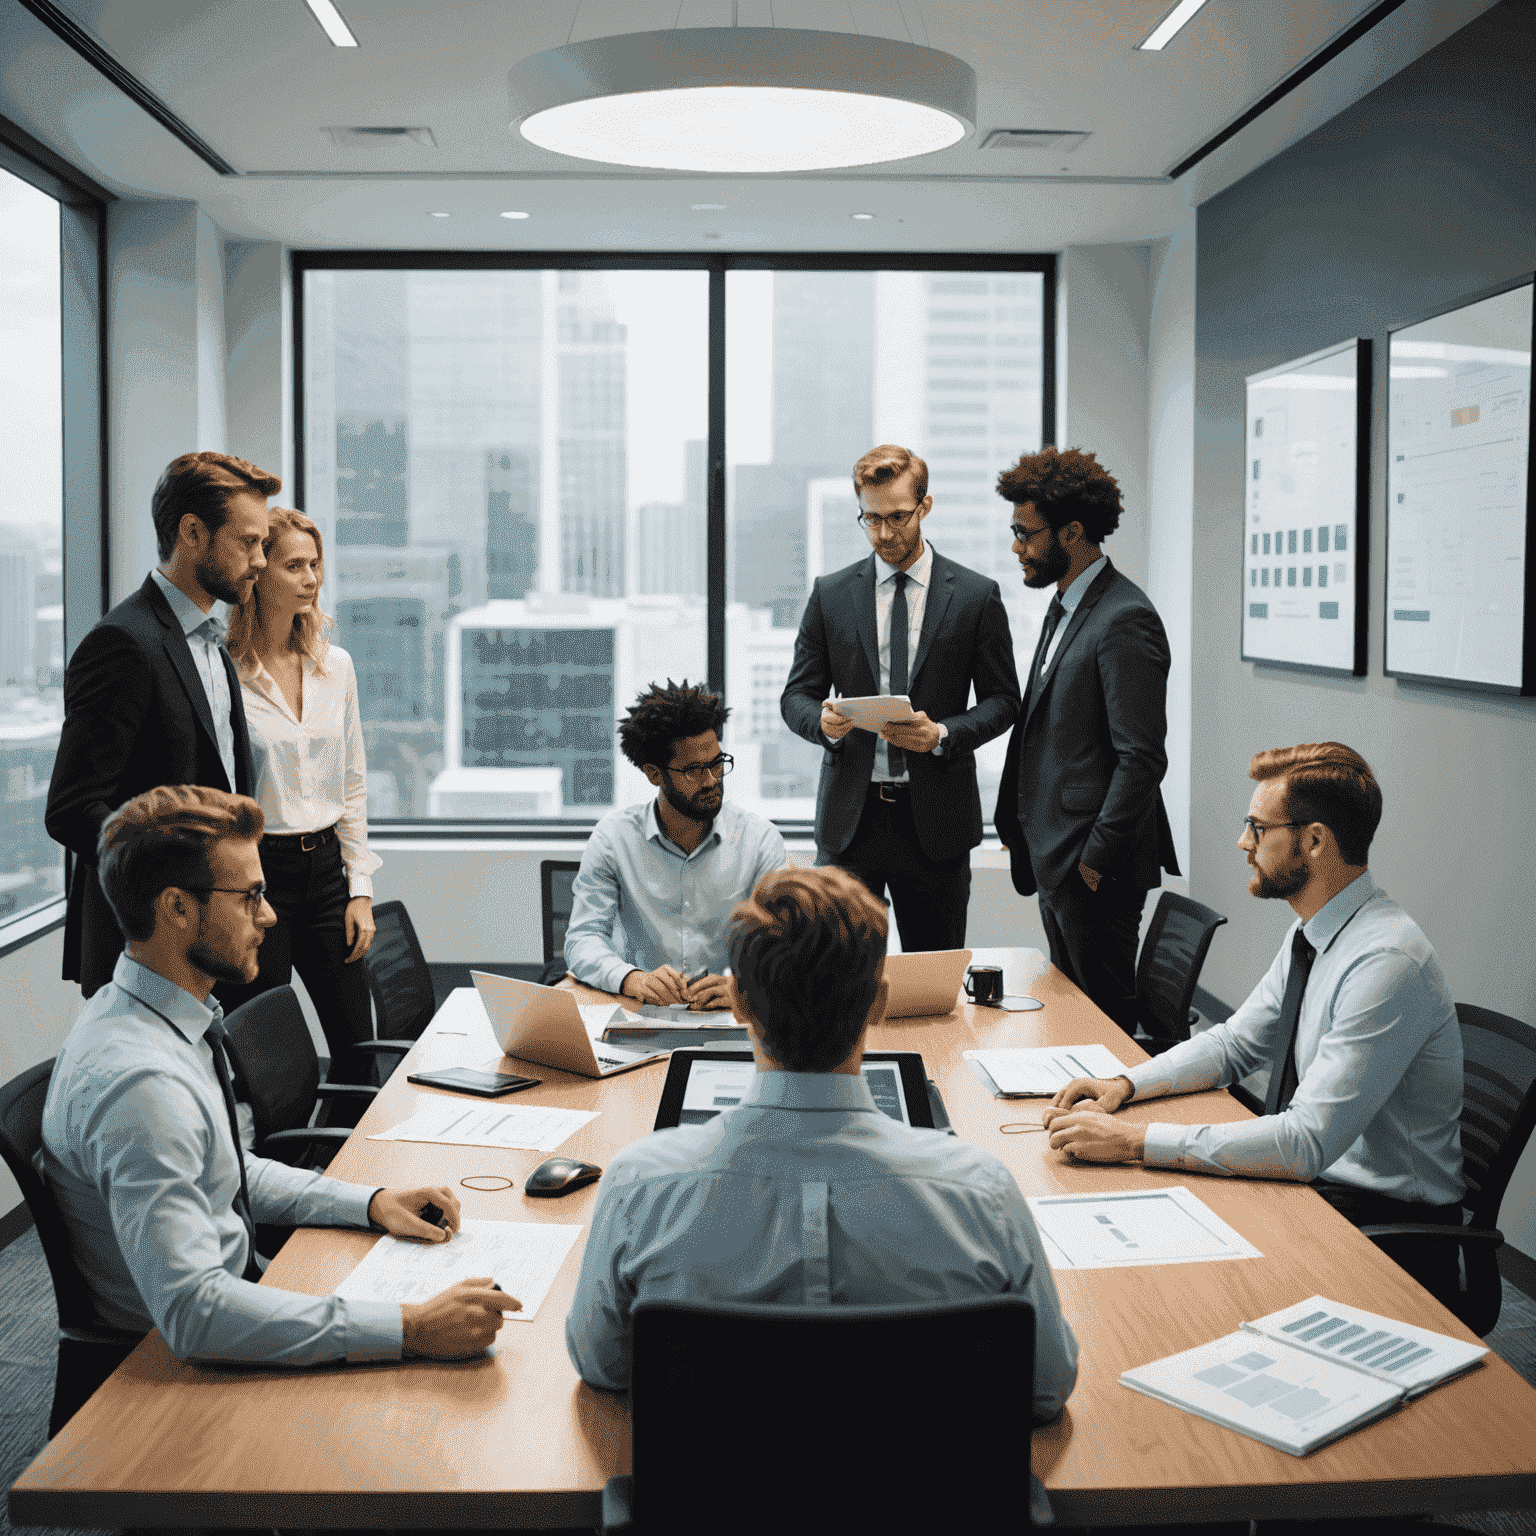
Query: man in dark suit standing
{"x": 151, "y": 696}
{"x": 1079, "y": 808}
{"x": 901, "y": 810}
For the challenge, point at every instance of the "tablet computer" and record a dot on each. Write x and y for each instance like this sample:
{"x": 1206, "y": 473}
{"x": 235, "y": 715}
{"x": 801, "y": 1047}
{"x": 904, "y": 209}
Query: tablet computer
{"x": 701, "y": 1083}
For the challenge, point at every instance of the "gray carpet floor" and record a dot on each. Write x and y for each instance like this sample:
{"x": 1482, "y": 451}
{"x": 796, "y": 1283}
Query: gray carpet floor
{"x": 28, "y": 1323}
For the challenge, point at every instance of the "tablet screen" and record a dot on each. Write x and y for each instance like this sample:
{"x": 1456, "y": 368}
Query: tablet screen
{"x": 721, "y": 1082}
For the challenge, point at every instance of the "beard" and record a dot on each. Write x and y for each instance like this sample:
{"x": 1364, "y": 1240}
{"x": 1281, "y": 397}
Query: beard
{"x": 1051, "y": 566}
{"x": 687, "y": 805}
{"x": 1282, "y": 885}
{"x": 215, "y": 583}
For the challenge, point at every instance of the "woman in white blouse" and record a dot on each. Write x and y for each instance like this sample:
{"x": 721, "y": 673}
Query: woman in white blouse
{"x": 312, "y": 783}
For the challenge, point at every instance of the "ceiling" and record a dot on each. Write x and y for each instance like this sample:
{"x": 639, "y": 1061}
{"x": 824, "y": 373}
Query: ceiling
{"x": 258, "y": 81}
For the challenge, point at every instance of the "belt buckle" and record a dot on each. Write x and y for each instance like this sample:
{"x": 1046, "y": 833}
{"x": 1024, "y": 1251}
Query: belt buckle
{"x": 888, "y": 792}
{"x": 305, "y": 846}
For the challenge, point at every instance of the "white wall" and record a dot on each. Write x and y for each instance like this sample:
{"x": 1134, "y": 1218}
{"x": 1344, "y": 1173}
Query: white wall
{"x": 258, "y": 337}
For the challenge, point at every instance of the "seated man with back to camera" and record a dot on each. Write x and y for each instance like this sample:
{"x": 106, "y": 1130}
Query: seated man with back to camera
{"x": 718, "y": 1211}
{"x": 1354, "y": 1019}
{"x": 658, "y": 880}
{"x": 139, "y": 1141}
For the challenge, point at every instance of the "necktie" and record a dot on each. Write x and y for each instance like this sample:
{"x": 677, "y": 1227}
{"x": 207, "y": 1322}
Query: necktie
{"x": 216, "y": 1036}
{"x": 896, "y": 759}
{"x": 1053, "y": 617}
{"x": 1282, "y": 1070}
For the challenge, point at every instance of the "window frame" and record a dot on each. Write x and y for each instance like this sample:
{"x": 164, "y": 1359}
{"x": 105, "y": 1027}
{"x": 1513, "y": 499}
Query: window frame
{"x": 717, "y": 265}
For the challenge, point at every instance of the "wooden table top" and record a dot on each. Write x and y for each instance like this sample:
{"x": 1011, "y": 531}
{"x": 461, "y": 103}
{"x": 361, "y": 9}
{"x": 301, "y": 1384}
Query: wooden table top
{"x": 516, "y": 1439}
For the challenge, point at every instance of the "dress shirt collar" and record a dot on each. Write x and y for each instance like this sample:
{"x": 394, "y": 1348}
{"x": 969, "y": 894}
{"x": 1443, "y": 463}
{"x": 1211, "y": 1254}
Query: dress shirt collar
{"x": 917, "y": 572}
{"x": 1074, "y": 594}
{"x": 187, "y": 613}
{"x": 189, "y": 1016}
{"x": 809, "y": 1090}
{"x": 1325, "y": 925}
{"x": 655, "y": 832}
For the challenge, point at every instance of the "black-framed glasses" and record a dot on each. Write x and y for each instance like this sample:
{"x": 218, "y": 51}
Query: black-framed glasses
{"x": 695, "y": 772}
{"x": 254, "y": 894}
{"x": 873, "y": 522}
{"x": 1024, "y": 535}
{"x": 1259, "y": 828}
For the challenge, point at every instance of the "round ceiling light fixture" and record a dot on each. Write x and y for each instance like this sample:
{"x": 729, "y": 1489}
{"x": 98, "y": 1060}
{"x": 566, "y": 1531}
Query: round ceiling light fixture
{"x": 743, "y": 99}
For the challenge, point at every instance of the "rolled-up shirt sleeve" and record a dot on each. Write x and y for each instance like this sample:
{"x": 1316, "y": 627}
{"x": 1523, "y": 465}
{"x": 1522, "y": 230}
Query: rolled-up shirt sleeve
{"x": 589, "y": 952}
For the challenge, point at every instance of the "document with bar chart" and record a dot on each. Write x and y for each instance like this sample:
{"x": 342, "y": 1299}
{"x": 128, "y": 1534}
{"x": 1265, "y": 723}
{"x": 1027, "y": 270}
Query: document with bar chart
{"x": 1458, "y": 496}
{"x": 1304, "y": 501}
{"x": 1114, "y": 1229}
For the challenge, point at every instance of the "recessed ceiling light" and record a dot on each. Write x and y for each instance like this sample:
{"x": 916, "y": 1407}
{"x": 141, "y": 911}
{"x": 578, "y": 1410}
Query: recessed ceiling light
{"x": 743, "y": 99}
{"x": 437, "y": 215}
{"x": 861, "y": 215}
{"x": 325, "y": 12}
{"x": 1170, "y": 26}
{"x": 510, "y": 214}
{"x": 709, "y": 207}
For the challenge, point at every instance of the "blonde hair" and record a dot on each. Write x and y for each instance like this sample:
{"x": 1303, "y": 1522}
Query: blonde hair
{"x": 312, "y": 629}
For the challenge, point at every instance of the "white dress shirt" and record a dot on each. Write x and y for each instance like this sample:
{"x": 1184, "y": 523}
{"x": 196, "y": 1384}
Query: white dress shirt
{"x": 205, "y": 634}
{"x": 312, "y": 773}
{"x": 137, "y": 1150}
{"x": 1069, "y": 602}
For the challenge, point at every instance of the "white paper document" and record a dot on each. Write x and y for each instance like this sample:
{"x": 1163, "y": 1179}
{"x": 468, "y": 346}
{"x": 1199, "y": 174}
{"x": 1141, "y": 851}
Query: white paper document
{"x": 1039, "y": 1072}
{"x": 523, "y": 1258}
{"x": 459, "y": 1035}
{"x": 1134, "y": 1226}
{"x": 528, "y": 1127}
{"x": 869, "y": 714}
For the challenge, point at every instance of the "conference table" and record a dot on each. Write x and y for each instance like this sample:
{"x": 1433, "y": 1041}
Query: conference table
{"x": 516, "y": 1439}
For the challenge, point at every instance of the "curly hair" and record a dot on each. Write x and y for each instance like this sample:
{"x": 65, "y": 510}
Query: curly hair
{"x": 202, "y": 484}
{"x": 311, "y": 634}
{"x": 1328, "y": 782}
{"x": 807, "y": 950}
{"x": 1066, "y": 486}
{"x": 890, "y": 461}
{"x": 662, "y": 716}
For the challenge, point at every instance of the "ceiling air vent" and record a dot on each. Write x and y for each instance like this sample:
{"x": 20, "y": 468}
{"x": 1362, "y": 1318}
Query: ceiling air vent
{"x": 373, "y": 138}
{"x": 1061, "y": 140}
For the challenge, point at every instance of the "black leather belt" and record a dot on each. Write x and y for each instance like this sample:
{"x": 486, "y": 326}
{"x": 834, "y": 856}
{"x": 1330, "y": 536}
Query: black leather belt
{"x": 890, "y": 793}
{"x": 303, "y": 842}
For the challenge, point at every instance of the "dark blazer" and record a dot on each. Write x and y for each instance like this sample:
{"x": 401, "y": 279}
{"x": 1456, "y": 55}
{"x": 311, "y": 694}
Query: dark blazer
{"x": 136, "y": 715}
{"x": 964, "y": 640}
{"x": 1089, "y": 750}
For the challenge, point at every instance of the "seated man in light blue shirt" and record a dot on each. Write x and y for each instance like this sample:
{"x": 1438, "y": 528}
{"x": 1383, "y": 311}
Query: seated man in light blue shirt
{"x": 1354, "y": 1021}
{"x": 139, "y": 1146}
{"x": 806, "y": 1193}
{"x": 658, "y": 880}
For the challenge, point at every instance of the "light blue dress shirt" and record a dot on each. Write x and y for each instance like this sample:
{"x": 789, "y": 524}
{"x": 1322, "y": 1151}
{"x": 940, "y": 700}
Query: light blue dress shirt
{"x": 807, "y": 1194}
{"x": 1378, "y": 1055}
{"x": 639, "y": 901}
{"x": 1070, "y": 599}
{"x": 205, "y": 634}
{"x": 138, "y": 1153}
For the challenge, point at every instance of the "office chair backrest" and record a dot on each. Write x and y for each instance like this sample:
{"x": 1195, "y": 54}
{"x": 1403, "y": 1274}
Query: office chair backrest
{"x": 1498, "y": 1109}
{"x": 398, "y": 977}
{"x": 274, "y": 1055}
{"x": 21, "y": 1143}
{"x": 556, "y": 876}
{"x": 1172, "y": 956}
{"x": 854, "y": 1417}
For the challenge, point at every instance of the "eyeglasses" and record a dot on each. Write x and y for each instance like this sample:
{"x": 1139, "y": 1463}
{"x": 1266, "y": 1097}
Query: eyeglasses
{"x": 1024, "y": 535}
{"x": 254, "y": 894}
{"x": 873, "y": 522}
{"x": 1259, "y": 828}
{"x": 695, "y": 772}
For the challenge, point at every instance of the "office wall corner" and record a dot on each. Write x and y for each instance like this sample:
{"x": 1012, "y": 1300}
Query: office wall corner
{"x": 258, "y": 356}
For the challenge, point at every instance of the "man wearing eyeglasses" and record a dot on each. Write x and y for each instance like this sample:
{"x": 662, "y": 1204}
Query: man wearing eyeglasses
{"x": 659, "y": 880}
{"x": 141, "y": 1146}
{"x": 1354, "y": 1021}
{"x": 901, "y": 810}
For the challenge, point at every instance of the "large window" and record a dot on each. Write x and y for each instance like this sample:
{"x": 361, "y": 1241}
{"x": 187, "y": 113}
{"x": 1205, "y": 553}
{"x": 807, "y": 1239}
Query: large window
{"x": 532, "y": 510}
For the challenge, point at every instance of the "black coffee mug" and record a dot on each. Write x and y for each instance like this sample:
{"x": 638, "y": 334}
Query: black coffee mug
{"x": 984, "y": 984}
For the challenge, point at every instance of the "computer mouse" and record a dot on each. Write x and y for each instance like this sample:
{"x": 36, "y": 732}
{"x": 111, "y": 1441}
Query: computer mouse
{"x": 560, "y": 1175}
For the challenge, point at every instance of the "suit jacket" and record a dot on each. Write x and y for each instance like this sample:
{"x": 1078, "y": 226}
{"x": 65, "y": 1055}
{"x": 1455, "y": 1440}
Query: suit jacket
{"x": 1088, "y": 750}
{"x": 964, "y": 640}
{"x": 136, "y": 715}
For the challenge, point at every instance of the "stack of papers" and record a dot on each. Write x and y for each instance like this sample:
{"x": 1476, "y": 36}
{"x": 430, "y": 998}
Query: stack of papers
{"x": 1042, "y": 1072}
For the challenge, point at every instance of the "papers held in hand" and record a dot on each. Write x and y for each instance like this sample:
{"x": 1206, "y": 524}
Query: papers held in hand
{"x": 869, "y": 714}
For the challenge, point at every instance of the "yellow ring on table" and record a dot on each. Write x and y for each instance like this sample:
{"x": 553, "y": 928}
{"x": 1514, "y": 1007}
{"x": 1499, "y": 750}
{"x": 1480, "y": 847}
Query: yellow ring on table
{"x": 499, "y": 1183}
{"x": 1018, "y": 1127}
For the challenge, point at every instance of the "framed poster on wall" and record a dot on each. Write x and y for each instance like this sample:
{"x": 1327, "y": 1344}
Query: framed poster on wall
{"x": 1460, "y": 567}
{"x": 1306, "y": 512}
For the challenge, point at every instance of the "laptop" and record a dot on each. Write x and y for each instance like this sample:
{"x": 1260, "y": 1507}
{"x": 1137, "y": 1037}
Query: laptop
{"x": 544, "y": 1025}
{"x": 926, "y": 982}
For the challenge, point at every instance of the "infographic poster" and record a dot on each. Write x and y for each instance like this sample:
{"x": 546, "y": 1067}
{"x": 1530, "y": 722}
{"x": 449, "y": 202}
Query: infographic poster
{"x": 1305, "y": 512}
{"x": 1458, "y": 496}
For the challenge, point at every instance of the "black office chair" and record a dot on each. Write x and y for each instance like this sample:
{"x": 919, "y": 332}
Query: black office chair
{"x": 1498, "y": 1112}
{"x": 802, "y": 1381}
{"x": 556, "y": 877}
{"x": 1172, "y": 956}
{"x": 400, "y": 983}
{"x": 88, "y": 1352}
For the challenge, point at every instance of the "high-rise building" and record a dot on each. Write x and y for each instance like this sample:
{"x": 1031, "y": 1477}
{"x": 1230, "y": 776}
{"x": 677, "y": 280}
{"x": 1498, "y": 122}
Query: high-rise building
{"x": 511, "y": 524}
{"x": 671, "y": 537}
{"x": 18, "y": 610}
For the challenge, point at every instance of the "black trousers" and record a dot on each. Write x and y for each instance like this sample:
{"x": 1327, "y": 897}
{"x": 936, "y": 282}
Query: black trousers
{"x": 1435, "y": 1266}
{"x": 929, "y": 896}
{"x": 1092, "y": 936}
{"x": 308, "y": 891}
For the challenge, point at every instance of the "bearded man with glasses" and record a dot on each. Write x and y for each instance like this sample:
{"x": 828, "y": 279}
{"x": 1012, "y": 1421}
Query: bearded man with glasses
{"x": 901, "y": 809}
